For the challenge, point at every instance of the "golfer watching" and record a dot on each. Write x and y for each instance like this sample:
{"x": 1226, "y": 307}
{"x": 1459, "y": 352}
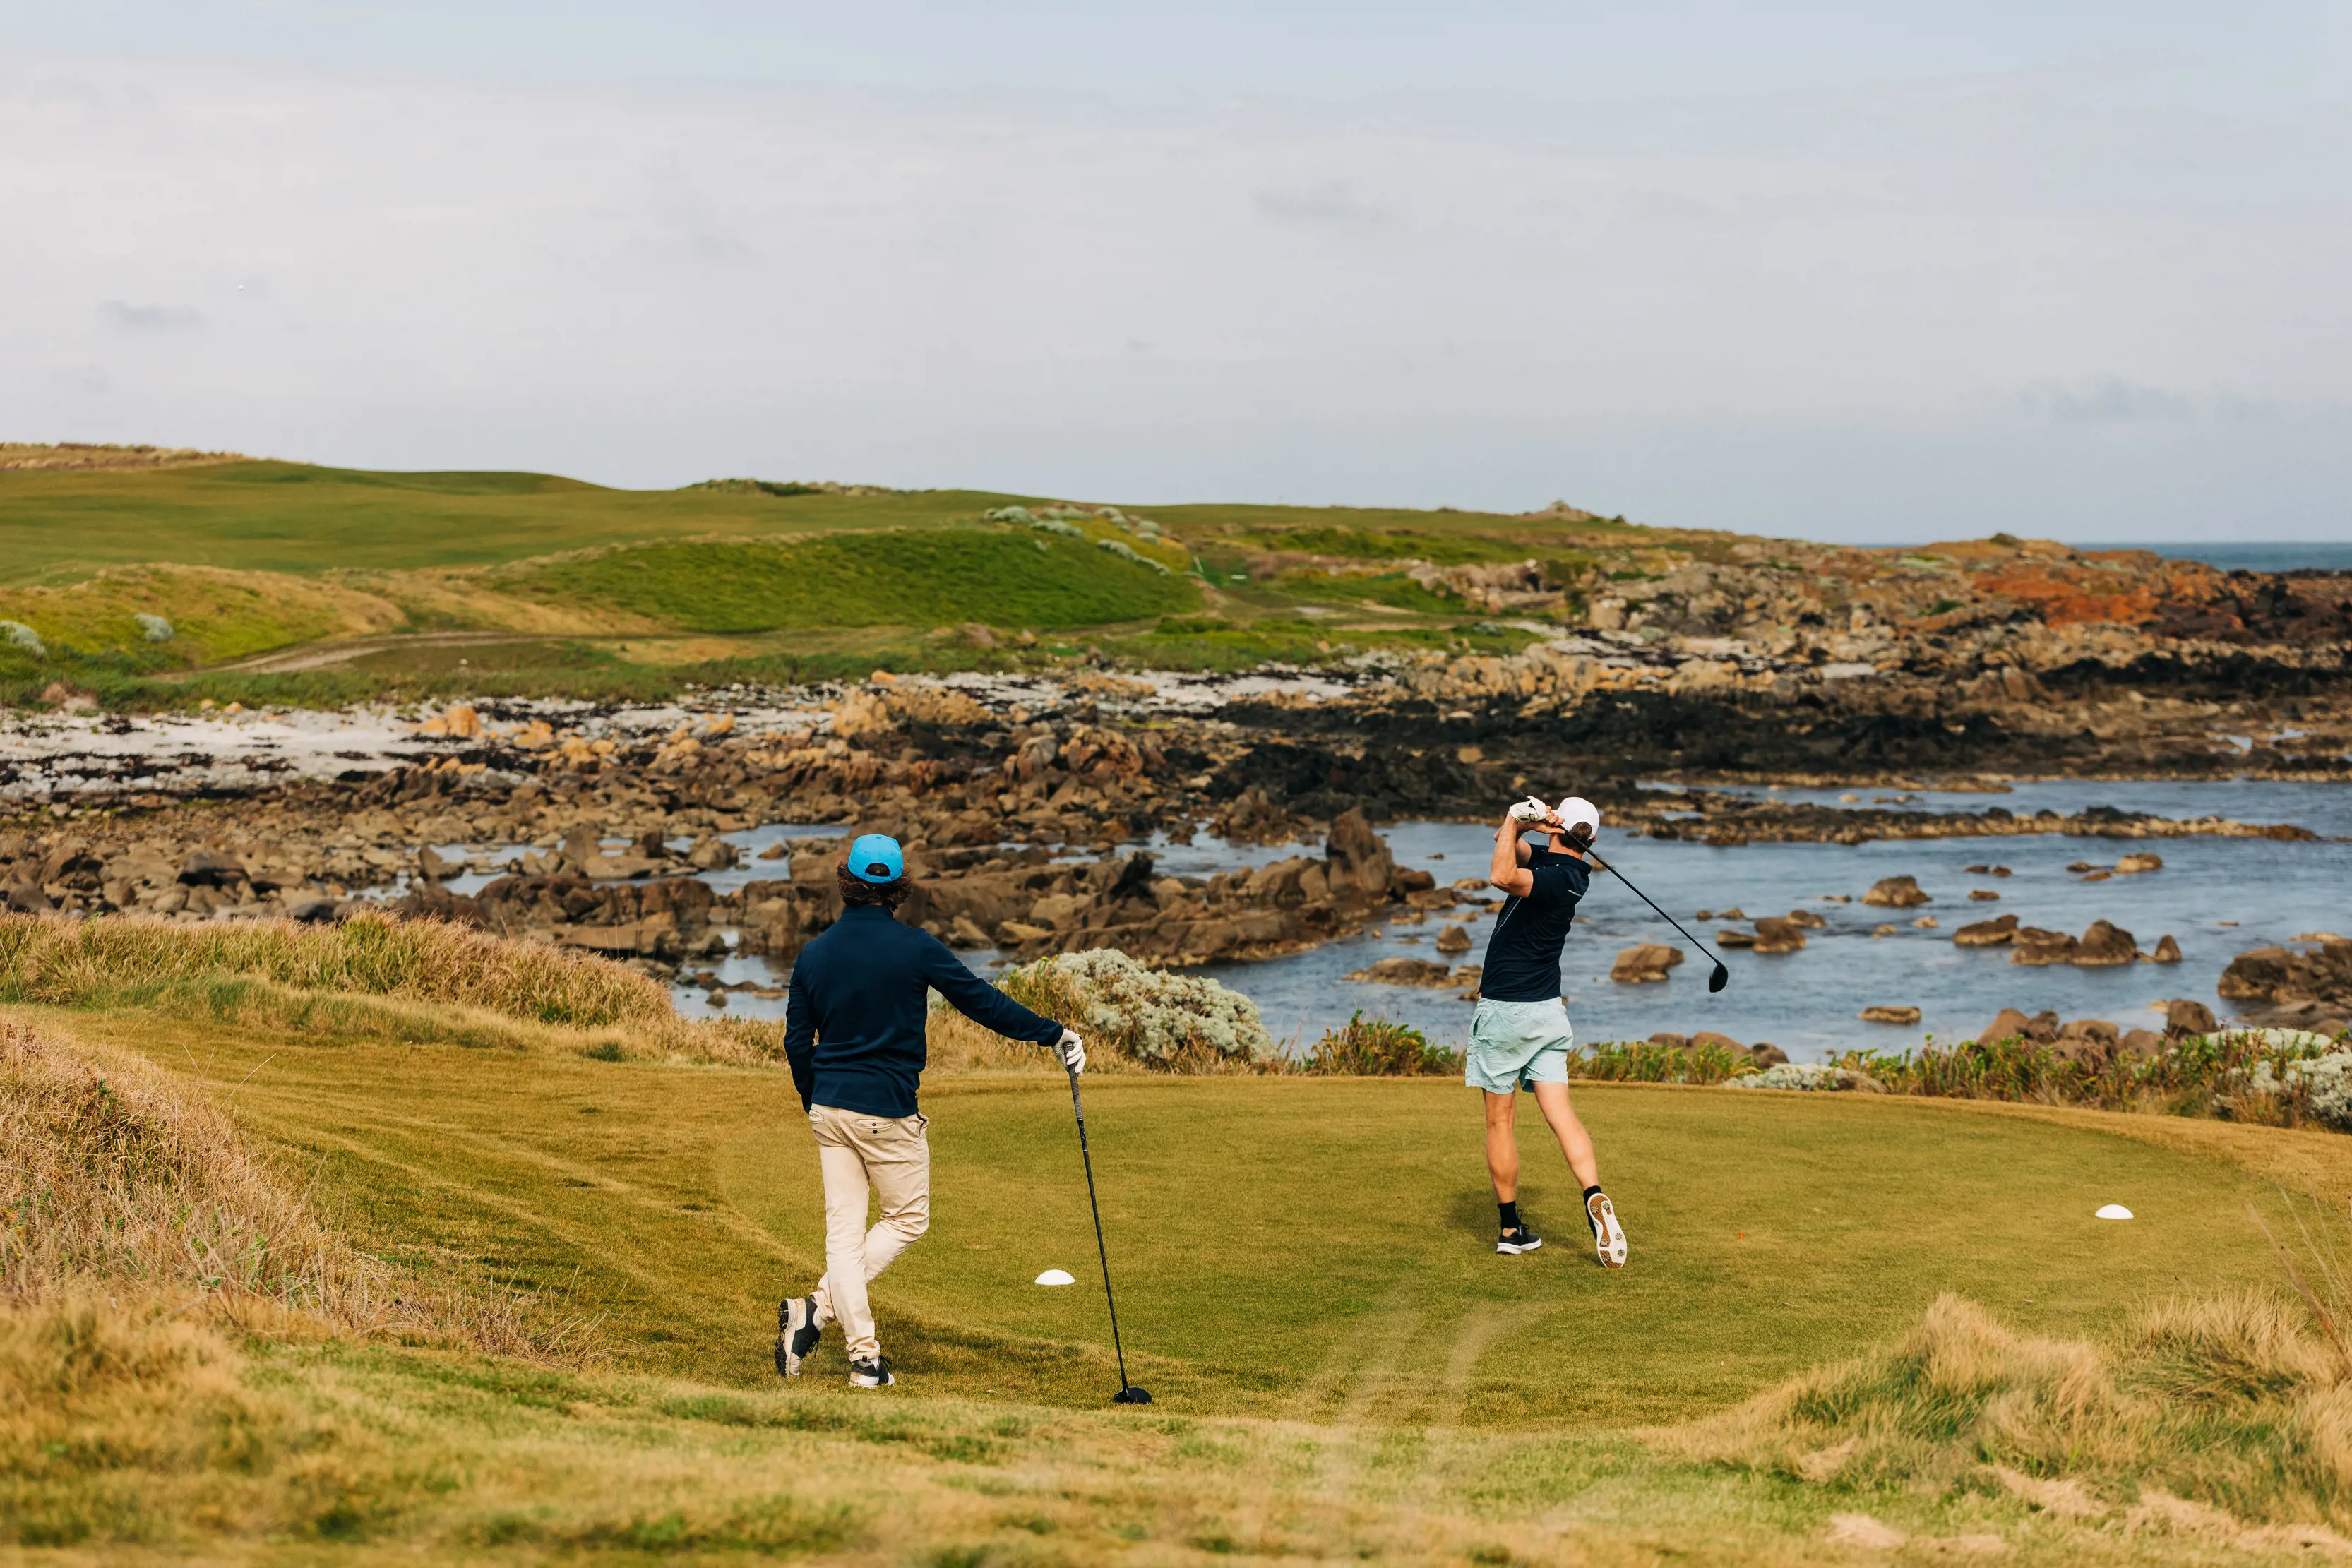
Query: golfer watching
{"x": 1520, "y": 1033}
{"x": 854, "y": 1034}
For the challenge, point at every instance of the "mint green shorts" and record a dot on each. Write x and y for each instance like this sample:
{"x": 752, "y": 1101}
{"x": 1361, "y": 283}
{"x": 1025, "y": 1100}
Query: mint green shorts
{"x": 1516, "y": 1044}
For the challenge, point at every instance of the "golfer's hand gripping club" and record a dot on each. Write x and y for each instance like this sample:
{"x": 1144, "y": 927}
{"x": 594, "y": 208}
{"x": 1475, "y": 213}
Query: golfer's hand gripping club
{"x": 1530, "y": 811}
{"x": 1071, "y": 1052}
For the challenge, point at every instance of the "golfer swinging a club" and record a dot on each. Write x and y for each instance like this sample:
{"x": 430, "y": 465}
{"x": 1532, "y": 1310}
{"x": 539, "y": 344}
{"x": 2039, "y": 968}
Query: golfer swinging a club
{"x": 1520, "y": 1033}
{"x": 854, "y": 1034}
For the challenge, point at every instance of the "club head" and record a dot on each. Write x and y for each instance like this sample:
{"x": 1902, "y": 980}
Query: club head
{"x": 1131, "y": 1395}
{"x": 1720, "y": 978}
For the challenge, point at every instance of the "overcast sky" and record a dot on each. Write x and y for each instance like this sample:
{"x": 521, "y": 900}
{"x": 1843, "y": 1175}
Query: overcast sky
{"x": 1873, "y": 272}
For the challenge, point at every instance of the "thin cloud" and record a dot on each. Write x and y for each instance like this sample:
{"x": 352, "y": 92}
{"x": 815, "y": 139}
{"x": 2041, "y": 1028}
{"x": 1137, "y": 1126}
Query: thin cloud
{"x": 152, "y": 317}
{"x": 2109, "y": 400}
{"x": 1333, "y": 204}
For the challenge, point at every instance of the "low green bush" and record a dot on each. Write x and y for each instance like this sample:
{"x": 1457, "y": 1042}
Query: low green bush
{"x": 1380, "y": 1048}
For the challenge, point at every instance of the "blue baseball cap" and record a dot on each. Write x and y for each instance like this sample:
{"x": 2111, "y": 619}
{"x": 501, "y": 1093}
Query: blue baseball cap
{"x": 875, "y": 857}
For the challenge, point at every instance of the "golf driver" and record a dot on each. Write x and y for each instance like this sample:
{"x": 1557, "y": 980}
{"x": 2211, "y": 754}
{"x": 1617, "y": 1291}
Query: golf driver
{"x": 1715, "y": 982}
{"x": 1128, "y": 1394}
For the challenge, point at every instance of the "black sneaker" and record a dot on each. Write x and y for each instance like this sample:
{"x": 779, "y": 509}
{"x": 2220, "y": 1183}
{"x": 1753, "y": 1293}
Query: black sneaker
{"x": 1519, "y": 1240}
{"x": 797, "y": 1333}
{"x": 875, "y": 1373}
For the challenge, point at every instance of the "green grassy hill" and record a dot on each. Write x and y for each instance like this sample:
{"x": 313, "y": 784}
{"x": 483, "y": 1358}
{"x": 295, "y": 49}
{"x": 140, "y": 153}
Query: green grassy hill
{"x": 129, "y": 579}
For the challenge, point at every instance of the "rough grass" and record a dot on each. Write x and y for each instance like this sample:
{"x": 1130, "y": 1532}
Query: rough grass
{"x": 214, "y": 614}
{"x": 373, "y": 975}
{"x": 2232, "y": 1402}
{"x": 923, "y": 579}
{"x": 2218, "y": 1074}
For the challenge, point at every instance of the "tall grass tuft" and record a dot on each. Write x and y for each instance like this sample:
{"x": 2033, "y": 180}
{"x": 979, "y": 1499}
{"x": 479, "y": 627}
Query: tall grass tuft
{"x": 116, "y": 1182}
{"x": 1649, "y": 1061}
{"x": 2233, "y": 1402}
{"x": 414, "y": 980}
{"x": 1380, "y": 1048}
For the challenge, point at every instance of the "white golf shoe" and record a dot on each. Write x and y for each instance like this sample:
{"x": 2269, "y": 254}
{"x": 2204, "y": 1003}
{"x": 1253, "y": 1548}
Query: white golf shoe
{"x": 1608, "y": 1236}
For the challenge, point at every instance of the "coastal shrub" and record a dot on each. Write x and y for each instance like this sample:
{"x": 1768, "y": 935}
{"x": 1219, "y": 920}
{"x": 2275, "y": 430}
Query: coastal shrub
{"x": 1379, "y": 1048}
{"x": 2279, "y": 1077}
{"x": 1649, "y": 1061}
{"x": 1180, "y": 1022}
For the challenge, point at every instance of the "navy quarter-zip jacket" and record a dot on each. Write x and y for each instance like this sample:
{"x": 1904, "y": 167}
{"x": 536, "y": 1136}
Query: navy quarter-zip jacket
{"x": 854, "y": 1012}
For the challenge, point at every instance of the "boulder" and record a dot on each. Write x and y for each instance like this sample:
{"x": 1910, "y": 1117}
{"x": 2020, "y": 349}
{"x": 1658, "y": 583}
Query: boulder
{"x": 1453, "y": 939}
{"x": 1405, "y": 972}
{"x": 2167, "y": 951}
{"x": 2043, "y": 1027}
{"x": 2104, "y": 945}
{"x": 1774, "y": 934}
{"x": 1805, "y": 918}
{"x": 1986, "y": 933}
{"x": 1670, "y": 1040}
{"x": 2099, "y": 1029}
{"x": 210, "y": 868}
{"x": 2007, "y": 1024}
{"x": 1647, "y": 963}
{"x": 711, "y": 853}
{"x": 1735, "y": 939}
{"x": 2281, "y": 974}
{"x": 431, "y": 865}
{"x": 2032, "y": 944}
{"x": 1889, "y": 1015}
{"x": 2139, "y": 1044}
{"x": 1895, "y": 892}
{"x": 1710, "y": 1037}
{"x": 1359, "y": 858}
{"x": 1983, "y": 895}
{"x": 1765, "y": 1054}
{"x": 965, "y": 931}
{"x": 2187, "y": 1017}
{"x": 2134, "y": 864}
{"x": 311, "y": 909}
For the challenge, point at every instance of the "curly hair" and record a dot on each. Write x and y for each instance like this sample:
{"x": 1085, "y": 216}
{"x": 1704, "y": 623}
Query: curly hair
{"x": 857, "y": 891}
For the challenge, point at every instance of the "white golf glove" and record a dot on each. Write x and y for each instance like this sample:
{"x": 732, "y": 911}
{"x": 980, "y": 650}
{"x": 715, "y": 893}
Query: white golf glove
{"x": 1071, "y": 1052}
{"x": 1530, "y": 811}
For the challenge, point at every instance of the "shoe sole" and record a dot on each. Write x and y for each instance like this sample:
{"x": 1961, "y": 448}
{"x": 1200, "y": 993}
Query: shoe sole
{"x": 885, "y": 1381}
{"x": 1608, "y": 1236}
{"x": 1516, "y": 1248}
{"x": 790, "y": 1318}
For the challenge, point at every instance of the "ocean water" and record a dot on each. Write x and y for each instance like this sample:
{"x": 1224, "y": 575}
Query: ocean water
{"x": 2251, "y": 555}
{"x": 2217, "y": 897}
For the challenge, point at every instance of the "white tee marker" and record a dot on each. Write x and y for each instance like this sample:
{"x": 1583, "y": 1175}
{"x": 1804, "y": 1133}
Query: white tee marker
{"x": 1057, "y": 1277}
{"x": 2114, "y": 1211}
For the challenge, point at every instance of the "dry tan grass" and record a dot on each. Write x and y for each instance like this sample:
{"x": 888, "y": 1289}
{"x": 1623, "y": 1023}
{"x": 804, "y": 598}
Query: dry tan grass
{"x": 116, "y": 1181}
{"x": 2233, "y": 1403}
{"x": 88, "y": 455}
{"x": 409, "y": 979}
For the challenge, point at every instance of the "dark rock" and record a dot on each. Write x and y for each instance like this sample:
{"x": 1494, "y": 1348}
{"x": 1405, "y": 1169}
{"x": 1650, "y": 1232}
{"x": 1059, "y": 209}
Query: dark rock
{"x": 1774, "y": 934}
{"x": 2186, "y": 1016}
{"x": 2139, "y": 1044}
{"x": 1986, "y": 933}
{"x": 1670, "y": 1041}
{"x": 2167, "y": 951}
{"x": 1453, "y": 939}
{"x": 2104, "y": 945}
{"x": 1805, "y": 918}
{"x": 2007, "y": 1024}
{"x": 1764, "y": 1053}
{"x": 1358, "y": 857}
{"x": 2032, "y": 944}
{"x": 1895, "y": 892}
{"x": 1735, "y": 938}
{"x": 211, "y": 868}
{"x": 1644, "y": 964}
{"x": 1884, "y": 1014}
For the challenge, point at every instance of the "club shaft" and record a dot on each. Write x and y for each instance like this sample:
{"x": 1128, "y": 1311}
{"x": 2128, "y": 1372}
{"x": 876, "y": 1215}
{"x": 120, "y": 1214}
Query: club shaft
{"x": 1101, "y": 1251}
{"x": 1652, "y": 902}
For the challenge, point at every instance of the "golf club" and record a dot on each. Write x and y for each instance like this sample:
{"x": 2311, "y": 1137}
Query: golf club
{"x": 1128, "y": 1394}
{"x": 1715, "y": 982}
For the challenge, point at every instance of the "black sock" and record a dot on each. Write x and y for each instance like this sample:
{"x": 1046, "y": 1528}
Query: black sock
{"x": 1589, "y": 1193}
{"x": 1510, "y": 1215}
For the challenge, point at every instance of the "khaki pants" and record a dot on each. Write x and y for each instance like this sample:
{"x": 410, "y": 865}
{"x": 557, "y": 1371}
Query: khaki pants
{"x": 889, "y": 1157}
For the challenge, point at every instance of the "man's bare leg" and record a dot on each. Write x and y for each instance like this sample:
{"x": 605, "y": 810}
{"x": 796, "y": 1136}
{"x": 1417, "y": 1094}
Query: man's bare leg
{"x": 1575, "y": 1143}
{"x": 1502, "y": 1146}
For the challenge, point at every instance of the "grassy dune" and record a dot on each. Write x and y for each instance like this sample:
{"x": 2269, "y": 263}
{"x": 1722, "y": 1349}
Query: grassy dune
{"x": 619, "y": 593}
{"x": 589, "y": 1249}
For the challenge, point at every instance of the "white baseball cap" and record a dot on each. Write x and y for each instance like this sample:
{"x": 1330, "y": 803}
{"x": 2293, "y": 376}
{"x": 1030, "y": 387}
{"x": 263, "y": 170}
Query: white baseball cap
{"x": 1576, "y": 809}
